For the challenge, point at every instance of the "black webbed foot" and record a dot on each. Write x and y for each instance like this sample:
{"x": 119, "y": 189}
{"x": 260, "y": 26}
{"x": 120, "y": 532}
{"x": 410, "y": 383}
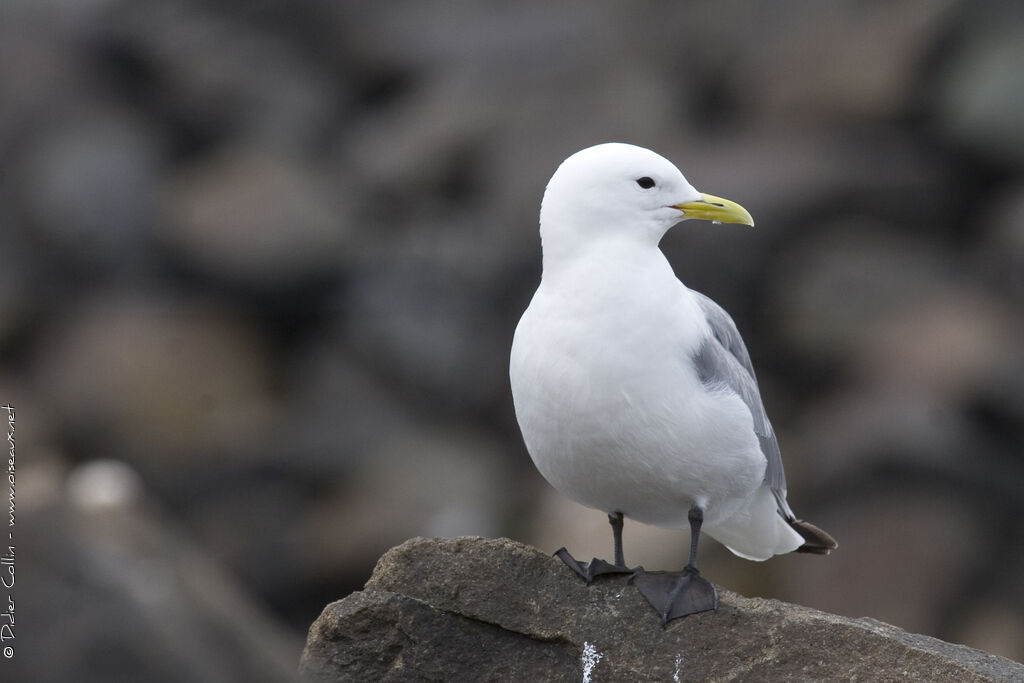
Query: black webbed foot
{"x": 676, "y": 594}
{"x": 591, "y": 570}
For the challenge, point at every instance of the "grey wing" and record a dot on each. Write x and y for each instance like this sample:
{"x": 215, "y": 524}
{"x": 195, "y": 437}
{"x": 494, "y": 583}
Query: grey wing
{"x": 723, "y": 360}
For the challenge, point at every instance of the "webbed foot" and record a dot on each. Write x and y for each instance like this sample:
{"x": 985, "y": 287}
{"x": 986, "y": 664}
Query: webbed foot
{"x": 676, "y": 594}
{"x": 591, "y": 570}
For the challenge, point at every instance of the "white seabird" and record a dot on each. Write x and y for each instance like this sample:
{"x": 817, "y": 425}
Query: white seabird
{"x": 635, "y": 394}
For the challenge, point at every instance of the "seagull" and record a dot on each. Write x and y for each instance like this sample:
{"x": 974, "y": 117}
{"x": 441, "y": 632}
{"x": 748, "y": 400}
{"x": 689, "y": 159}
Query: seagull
{"x": 635, "y": 395}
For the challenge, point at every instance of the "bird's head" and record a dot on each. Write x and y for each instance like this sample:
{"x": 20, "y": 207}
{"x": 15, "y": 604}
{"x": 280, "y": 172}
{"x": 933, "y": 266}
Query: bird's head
{"x": 624, "y": 191}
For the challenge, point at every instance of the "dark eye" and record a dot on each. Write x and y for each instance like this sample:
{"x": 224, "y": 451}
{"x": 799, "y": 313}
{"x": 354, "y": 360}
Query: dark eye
{"x": 645, "y": 182}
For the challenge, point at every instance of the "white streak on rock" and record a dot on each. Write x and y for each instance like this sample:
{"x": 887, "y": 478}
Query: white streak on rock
{"x": 589, "y": 659}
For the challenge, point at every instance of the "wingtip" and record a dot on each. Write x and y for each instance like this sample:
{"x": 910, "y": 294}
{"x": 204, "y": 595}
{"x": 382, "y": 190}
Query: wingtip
{"x": 816, "y": 541}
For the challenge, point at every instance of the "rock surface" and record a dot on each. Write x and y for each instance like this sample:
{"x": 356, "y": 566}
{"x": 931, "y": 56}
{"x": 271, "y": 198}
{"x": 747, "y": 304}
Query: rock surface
{"x": 477, "y": 609}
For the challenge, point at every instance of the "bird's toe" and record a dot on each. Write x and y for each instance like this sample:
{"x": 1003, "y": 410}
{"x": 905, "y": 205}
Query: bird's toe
{"x": 596, "y": 567}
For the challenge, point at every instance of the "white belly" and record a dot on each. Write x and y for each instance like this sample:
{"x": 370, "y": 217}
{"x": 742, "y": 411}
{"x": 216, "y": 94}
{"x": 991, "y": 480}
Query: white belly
{"x": 615, "y": 417}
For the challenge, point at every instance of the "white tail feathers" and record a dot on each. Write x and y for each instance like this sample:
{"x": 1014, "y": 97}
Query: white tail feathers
{"x": 757, "y": 531}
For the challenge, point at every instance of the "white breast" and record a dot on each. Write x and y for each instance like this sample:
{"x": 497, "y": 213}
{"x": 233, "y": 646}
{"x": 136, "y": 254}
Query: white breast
{"x": 611, "y": 410}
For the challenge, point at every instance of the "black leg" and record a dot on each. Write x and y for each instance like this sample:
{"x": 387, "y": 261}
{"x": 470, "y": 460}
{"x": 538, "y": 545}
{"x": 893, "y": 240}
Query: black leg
{"x": 677, "y": 594}
{"x": 615, "y": 519}
{"x": 696, "y": 518}
{"x": 596, "y": 567}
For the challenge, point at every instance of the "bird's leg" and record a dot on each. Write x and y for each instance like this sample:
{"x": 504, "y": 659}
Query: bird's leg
{"x": 615, "y": 519}
{"x": 596, "y": 567}
{"x": 696, "y": 517}
{"x": 677, "y": 594}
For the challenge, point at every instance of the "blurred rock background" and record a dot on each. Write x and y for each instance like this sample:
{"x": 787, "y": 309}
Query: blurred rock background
{"x": 261, "y": 263}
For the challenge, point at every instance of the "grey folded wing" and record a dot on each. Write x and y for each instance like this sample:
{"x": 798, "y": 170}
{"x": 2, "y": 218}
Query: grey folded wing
{"x": 723, "y": 361}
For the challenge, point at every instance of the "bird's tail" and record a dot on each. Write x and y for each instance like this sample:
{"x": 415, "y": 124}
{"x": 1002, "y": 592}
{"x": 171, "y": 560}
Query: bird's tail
{"x": 756, "y": 531}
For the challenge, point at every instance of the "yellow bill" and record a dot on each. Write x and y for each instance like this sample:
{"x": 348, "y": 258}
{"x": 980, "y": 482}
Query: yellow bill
{"x": 712, "y": 208}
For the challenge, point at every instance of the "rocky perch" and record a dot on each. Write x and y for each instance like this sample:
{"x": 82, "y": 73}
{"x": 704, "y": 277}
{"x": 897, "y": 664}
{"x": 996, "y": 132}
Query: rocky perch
{"x": 472, "y": 609}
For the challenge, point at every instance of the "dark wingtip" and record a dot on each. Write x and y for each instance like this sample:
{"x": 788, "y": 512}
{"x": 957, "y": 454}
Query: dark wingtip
{"x": 816, "y": 541}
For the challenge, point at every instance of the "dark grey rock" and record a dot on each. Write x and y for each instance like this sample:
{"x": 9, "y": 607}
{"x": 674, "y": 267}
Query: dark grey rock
{"x": 204, "y": 54}
{"x": 443, "y": 645}
{"x": 89, "y": 184}
{"x": 339, "y": 410}
{"x": 254, "y": 216}
{"x": 424, "y": 311}
{"x": 158, "y": 375}
{"x": 137, "y": 600}
{"x": 979, "y": 104}
{"x": 453, "y": 485}
{"x": 1000, "y": 255}
{"x": 476, "y": 609}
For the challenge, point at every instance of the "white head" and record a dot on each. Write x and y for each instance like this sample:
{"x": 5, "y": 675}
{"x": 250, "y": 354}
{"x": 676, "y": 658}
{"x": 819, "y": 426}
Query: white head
{"x": 622, "y": 191}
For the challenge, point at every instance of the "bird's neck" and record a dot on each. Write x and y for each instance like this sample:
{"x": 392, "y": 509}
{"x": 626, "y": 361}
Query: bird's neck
{"x": 563, "y": 248}
{"x": 609, "y": 265}
{"x": 567, "y": 232}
